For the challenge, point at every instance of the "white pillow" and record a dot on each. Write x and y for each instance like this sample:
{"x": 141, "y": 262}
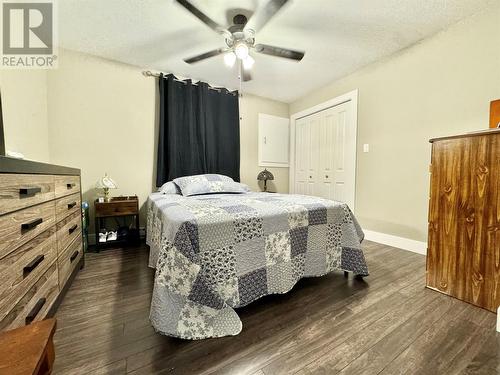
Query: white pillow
{"x": 214, "y": 187}
{"x": 209, "y": 184}
{"x": 169, "y": 188}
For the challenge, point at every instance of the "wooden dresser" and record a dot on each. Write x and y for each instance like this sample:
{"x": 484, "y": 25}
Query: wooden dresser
{"x": 40, "y": 238}
{"x": 495, "y": 114}
{"x": 463, "y": 258}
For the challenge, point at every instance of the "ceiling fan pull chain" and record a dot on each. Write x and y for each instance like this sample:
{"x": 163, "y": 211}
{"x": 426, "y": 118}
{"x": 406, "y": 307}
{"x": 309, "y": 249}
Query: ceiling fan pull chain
{"x": 239, "y": 79}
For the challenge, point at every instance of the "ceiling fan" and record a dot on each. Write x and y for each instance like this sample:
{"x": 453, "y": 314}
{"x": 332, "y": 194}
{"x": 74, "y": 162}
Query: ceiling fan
{"x": 240, "y": 37}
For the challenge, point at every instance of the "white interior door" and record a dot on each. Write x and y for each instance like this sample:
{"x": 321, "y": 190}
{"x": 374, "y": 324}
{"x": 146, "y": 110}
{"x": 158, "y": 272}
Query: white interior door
{"x": 307, "y": 167}
{"x": 325, "y": 154}
{"x": 313, "y": 171}
{"x": 301, "y": 164}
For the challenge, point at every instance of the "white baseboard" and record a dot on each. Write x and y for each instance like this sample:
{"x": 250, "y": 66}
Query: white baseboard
{"x": 395, "y": 241}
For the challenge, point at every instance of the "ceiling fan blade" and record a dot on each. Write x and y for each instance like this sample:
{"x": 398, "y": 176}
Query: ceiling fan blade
{"x": 202, "y": 17}
{"x": 279, "y": 52}
{"x": 262, "y": 16}
{"x": 245, "y": 74}
{"x": 205, "y": 55}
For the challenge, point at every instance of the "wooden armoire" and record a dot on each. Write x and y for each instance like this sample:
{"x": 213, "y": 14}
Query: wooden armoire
{"x": 463, "y": 258}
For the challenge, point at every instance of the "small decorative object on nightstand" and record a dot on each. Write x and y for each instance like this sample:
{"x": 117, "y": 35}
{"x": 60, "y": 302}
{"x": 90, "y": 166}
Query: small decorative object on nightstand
{"x": 105, "y": 183}
{"x": 116, "y": 207}
{"x": 265, "y": 175}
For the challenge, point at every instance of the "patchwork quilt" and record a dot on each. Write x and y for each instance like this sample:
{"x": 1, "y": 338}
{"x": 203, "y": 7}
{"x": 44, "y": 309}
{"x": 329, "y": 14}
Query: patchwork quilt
{"x": 214, "y": 253}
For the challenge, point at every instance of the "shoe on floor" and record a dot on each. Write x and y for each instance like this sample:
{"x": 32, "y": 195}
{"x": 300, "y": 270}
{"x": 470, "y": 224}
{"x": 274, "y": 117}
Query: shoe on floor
{"x": 112, "y": 236}
{"x": 103, "y": 237}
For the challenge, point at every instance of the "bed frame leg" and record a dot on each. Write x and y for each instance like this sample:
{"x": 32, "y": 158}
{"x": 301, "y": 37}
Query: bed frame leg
{"x": 357, "y": 277}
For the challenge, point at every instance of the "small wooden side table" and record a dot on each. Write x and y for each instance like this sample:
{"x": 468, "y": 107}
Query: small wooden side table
{"x": 28, "y": 350}
{"x": 115, "y": 207}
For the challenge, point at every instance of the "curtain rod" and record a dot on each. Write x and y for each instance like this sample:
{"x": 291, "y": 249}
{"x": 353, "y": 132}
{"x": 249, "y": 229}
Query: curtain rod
{"x": 149, "y": 73}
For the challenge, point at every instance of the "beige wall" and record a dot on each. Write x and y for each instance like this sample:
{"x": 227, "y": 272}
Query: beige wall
{"x": 24, "y": 107}
{"x": 440, "y": 86}
{"x": 250, "y": 107}
{"x": 102, "y": 118}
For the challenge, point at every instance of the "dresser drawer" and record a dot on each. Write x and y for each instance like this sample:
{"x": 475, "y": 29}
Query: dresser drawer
{"x": 67, "y": 230}
{"x": 65, "y": 185}
{"x": 20, "y": 269}
{"x": 19, "y": 227}
{"x": 67, "y": 205}
{"x": 23, "y": 190}
{"x": 68, "y": 260}
{"x": 35, "y": 304}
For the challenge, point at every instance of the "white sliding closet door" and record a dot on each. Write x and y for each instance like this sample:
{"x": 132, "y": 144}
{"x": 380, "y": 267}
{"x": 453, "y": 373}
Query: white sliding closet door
{"x": 301, "y": 156}
{"x": 307, "y": 166}
{"x": 325, "y": 154}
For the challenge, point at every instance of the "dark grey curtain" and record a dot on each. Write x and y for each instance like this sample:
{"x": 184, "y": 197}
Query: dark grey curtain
{"x": 199, "y": 130}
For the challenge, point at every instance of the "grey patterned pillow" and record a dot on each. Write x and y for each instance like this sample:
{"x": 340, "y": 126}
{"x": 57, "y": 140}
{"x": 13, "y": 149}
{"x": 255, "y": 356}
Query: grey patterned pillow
{"x": 208, "y": 184}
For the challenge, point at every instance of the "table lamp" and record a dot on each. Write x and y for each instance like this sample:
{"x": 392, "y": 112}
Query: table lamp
{"x": 265, "y": 175}
{"x": 105, "y": 183}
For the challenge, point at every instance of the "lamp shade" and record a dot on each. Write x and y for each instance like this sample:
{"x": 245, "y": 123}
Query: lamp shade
{"x": 265, "y": 175}
{"x": 106, "y": 182}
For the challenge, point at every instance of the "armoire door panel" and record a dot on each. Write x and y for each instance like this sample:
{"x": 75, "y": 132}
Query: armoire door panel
{"x": 464, "y": 219}
{"x": 492, "y": 215}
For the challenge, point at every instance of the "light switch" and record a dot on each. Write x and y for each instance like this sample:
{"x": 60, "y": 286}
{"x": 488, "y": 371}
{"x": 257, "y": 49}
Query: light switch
{"x": 366, "y": 147}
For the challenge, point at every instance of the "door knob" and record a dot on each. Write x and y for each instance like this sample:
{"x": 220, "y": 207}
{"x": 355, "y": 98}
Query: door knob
{"x": 310, "y": 176}
{"x": 326, "y": 176}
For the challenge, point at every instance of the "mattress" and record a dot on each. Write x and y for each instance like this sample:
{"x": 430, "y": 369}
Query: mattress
{"x": 214, "y": 253}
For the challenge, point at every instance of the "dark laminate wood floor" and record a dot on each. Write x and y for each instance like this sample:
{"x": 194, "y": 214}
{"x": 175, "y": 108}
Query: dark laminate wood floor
{"x": 387, "y": 324}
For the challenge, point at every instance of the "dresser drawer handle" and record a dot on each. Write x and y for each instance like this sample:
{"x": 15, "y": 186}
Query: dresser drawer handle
{"x": 70, "y": 186}
{"x": 29, "y": 191}
{"x": 73, "y": 257}
{"x": 72, "y": 229}
{"x": 71, "y": 205}
{"x": 32, "y": 224}
{"x": 35, "y": 310}
{"x": 32, "y": 265}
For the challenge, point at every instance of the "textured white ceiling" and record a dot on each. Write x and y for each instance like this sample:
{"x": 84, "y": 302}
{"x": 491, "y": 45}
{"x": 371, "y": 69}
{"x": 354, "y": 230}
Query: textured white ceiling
{"x": 339, "y": 36}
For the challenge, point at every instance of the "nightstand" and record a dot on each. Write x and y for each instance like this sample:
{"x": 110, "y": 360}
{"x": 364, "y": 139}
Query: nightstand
{"x": 117, "y": 207}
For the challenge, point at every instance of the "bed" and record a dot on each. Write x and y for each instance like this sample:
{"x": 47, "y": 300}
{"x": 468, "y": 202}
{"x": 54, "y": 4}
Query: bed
{"x": 214, "y": 253}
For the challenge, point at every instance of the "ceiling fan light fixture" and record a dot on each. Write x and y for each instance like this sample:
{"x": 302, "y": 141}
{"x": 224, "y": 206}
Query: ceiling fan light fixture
{"x": 241, "y": 50}
{"x": 240, "y": 37}
{"x": 230, "y": 59}
{"x": 248, "y": 62}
